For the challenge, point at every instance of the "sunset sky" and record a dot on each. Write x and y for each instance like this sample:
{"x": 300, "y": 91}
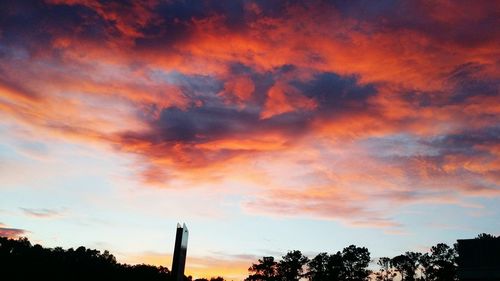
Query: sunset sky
{"x": 265, "y": 126}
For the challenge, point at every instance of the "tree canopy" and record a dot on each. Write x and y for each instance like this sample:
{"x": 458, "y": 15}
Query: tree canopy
{"x": 20, "y": 260}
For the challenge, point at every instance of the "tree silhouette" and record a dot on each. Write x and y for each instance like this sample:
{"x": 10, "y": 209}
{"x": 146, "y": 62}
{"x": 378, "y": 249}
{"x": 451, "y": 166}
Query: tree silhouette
{"x": 218, "y": 278}
{"x": 318, "y": 267}
{"x": 264, "y": 270}
{"x": 291, "y": 266}
{"x": 325, "y": 267}
{"x": 349, "y": 265}
{"x": 406, "y": 265}
{"x": 336, "y": 267}
{"x": 355, "y": 262}
{"x": 486, "y": 236}
{"x": 19, "y": 260}
{"x": 441, "y": 264}
{"x": 386, "y": 272}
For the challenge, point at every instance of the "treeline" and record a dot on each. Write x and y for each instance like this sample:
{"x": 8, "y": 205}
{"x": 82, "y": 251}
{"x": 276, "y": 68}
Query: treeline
{"x": 20, "y": 260}
{"x": 352, "y": 264}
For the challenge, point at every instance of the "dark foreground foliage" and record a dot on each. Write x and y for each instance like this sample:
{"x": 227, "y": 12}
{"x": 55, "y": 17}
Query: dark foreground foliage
{"x": 19, "y": 260}
{"x": 351, "y": 264}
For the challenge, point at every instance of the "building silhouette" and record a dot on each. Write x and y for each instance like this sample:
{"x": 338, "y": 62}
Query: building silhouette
{"x": 479, "y": 259}
{"x": 180, "y": 253}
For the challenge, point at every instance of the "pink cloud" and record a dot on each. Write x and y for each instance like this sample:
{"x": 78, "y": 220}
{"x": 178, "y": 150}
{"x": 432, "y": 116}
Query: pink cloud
{"x": 11, "y": 232}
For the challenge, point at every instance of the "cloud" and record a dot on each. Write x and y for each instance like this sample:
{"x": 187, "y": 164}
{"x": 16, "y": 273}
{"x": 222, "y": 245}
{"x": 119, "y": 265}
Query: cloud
{"x": 42, "y": 213}
{"x": 238, "y": 90}
{"x": 342, "y": 108}
{"x": 323, "y": 202}
{"x": 11, "y": 232}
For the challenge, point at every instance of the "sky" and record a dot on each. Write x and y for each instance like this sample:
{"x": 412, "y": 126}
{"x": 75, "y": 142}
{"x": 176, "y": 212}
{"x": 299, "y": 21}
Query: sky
{"x": 265, "y": 126}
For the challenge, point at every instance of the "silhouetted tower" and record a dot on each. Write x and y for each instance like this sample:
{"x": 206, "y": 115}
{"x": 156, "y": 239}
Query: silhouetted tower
{"x": 180, "y": 252}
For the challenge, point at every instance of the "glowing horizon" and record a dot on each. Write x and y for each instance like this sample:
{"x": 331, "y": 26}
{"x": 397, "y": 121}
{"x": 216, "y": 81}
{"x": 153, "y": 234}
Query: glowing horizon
{"x": 358, "y": 121}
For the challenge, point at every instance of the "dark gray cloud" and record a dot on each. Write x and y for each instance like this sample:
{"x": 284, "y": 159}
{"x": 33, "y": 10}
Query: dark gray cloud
{"x": 334, "y": 92}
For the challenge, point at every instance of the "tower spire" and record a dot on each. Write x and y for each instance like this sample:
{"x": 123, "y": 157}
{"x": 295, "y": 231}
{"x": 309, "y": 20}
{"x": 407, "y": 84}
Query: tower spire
{"x": 180, "y": 252}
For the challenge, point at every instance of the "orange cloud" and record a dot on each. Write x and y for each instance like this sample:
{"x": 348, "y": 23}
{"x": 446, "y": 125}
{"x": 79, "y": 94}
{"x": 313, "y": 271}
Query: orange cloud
{"x": 264, "y": 96}
{"x": 283, "y": 98}
{"x": 238, "y": 90}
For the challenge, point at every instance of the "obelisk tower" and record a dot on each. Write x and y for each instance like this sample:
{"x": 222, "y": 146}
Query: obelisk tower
{"x": 180, "y": 252}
